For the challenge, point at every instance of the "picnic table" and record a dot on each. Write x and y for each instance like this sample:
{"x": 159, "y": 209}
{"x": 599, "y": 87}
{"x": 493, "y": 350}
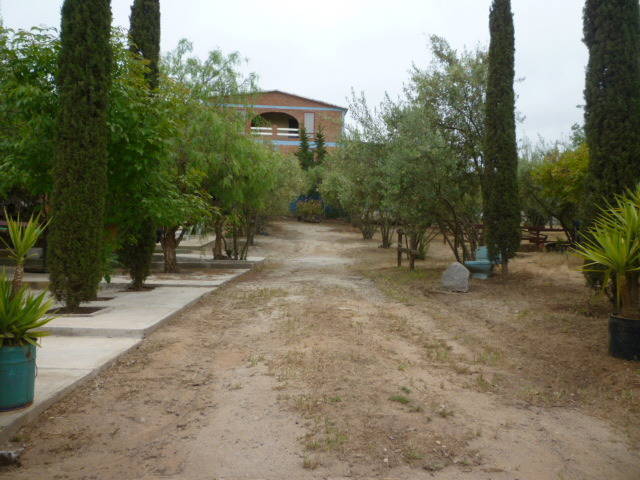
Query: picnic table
{"x": 537, "y": 236}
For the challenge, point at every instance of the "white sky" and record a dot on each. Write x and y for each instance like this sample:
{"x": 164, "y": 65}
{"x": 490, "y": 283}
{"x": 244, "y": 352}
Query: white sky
{"x": 323, "y": 49}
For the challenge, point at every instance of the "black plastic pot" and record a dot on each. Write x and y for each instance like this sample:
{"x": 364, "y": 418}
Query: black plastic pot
{"x": 624, "y": 338}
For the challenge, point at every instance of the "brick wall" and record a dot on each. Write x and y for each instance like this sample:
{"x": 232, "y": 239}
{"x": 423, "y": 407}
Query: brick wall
{"x": 329, "y": 118}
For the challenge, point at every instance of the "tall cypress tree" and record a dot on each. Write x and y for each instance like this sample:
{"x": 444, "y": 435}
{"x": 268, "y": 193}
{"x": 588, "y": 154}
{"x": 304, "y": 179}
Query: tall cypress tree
{"x": 502, "y": 206}
{"x": 304, "y": 153}
{"x": 321, "y": 149}
{"x": 144, "y": 33}
{"x": 138, "y": 239}
{"x": 80, "y": 166}
{"x": 612, "y": 99}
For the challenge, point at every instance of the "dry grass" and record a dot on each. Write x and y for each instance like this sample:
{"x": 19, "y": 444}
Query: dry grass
{"x": 541, "y": 326}
{"x": 346, "y": 374}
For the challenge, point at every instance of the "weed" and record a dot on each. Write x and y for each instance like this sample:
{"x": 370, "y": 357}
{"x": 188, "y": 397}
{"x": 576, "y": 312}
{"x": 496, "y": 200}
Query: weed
{"x": 433, "y": 467}
{"x": 254, "y": 360}
{"x": 306, "y": 404}
{"x": 262, "y": 295}
{"x": 461, "y": 369}
{"x": 406, "y": 390}
{"x": 444, "y": 411}
{"x": 310, "y": 463}
{"x": 313, "y": 445}
{"x": 411, "y": 454}
{"x": 489, "y": 356}
{"x": 482, "y": 384}
{"x": 438, "y": 350}
{"x": 400, "y": 399}
{"x": 335, "y": 440}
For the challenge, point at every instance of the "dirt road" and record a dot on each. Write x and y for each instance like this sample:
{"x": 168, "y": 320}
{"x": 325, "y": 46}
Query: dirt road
{"x": 305, "y": 370}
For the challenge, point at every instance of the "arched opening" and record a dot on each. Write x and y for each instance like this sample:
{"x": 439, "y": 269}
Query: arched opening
{"x": 276, "y": 124}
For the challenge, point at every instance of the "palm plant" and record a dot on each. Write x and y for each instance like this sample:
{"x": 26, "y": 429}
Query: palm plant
{"x": 612, "y": 248}
{"x": 22, "y": 238}
{"x": 21, "y": 314}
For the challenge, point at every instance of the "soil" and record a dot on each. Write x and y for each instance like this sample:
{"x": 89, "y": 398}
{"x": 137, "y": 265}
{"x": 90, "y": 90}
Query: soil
{"x": 328, "y": 363}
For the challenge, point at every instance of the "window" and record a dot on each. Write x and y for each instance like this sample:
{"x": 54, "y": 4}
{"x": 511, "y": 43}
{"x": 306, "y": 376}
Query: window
{"x": 309, "y": 122}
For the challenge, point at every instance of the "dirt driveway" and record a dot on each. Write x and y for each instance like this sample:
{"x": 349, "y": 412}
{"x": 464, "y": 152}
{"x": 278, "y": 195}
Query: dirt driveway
{"x": 306, "y": 370}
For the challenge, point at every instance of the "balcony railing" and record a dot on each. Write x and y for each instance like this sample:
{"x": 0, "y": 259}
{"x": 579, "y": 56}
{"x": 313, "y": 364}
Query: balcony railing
{"x": 275, "y": 132}
{"x": 288, "y": 132}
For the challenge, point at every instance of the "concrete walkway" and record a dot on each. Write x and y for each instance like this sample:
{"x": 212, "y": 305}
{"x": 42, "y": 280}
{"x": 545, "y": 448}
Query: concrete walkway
{"x": 82, "y": 345}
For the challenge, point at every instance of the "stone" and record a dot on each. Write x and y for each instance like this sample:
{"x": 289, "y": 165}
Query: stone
{"x": 456, "y": 278}
{"x": 10, "y": 457}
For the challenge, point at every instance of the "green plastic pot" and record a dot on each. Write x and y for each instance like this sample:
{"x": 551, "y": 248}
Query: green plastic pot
{"x": 17, "y": 376}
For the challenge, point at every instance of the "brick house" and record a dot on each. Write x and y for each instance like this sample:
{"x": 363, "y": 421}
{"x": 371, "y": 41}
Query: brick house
{"x": 278, "y": 116}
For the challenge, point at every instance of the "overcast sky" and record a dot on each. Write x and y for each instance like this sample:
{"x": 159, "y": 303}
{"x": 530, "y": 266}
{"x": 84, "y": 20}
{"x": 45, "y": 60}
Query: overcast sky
{"x": 323, "y": 49}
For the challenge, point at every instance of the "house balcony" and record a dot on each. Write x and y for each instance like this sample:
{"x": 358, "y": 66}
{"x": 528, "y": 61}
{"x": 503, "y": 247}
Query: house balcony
{"x": 275, "y": 132}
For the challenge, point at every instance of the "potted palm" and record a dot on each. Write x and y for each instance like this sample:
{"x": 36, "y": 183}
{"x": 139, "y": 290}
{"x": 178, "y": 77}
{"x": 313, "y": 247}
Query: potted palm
{"x": 22, "y": 314}
{"x": 612, "y": 249}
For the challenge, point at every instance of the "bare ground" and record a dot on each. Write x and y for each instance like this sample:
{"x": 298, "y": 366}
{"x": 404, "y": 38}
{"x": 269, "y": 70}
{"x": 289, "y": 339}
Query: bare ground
{"x": 330, "y": 363}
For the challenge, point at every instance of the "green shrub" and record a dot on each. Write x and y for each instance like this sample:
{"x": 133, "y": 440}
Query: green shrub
{"x": 21, "y": 314}
{"x": 310, "y": 209}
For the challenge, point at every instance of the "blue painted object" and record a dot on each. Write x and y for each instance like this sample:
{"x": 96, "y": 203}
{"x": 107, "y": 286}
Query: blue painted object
{"x": 482, "y": 266}
{"x": 17, "y": 376}
{"x": 286, "y": 107}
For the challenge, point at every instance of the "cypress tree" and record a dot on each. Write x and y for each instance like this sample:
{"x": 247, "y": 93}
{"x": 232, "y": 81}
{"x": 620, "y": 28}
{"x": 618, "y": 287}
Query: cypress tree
{"x": 144, "y": 33}
{"x": 321, "y": 149}
{"x": 612, "y": 99}
{"x": 139, "y": 238}
{"x": 80, "y": 166}
{"x": 502, "y": 208}
{"x": 304, "y": 153}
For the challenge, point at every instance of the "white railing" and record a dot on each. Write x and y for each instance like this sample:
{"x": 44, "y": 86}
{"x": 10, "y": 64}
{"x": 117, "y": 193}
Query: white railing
{"x": 264, "y": 131}
{"x": 275, "y": 132}
{"x": 288, "y": 132}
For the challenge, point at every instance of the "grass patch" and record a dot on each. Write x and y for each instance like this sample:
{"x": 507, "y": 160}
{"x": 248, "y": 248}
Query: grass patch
{"x": 438, "y": 350}
{"x": 310, "y": 463}
{"x": 261, "y": 295}
{"x": 400, "y": 399}
{"x": 489, "y": 356}
{"x": 412, "y": 455}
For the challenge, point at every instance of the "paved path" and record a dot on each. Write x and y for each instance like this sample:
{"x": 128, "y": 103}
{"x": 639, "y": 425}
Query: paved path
{"x": 304, "y": 370}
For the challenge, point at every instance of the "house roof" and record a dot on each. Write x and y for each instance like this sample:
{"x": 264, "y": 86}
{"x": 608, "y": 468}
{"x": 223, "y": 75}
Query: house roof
{"x": 303, "y": 98}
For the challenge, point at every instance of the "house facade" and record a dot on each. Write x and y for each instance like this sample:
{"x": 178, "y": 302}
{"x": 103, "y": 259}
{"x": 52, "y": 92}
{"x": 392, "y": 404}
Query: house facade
{"x": 278, "y": 117}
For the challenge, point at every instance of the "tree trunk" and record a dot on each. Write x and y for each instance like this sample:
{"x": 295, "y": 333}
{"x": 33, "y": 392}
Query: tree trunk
{"x": 386, "y": 231}
{"x": 244, "y": 252}
{"x": 629, "y": 296}
{"x": 218, "y": 252}
{"x": 169, "y": 244}
{"x": 18, "y": 275}
{"x": 413, "y": 245}
{"x": 505, "y": 266}
{"x": 235, "y": 253}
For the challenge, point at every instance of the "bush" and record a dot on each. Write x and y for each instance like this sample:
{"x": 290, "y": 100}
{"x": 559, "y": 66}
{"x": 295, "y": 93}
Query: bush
{"x": 310, "y": 210}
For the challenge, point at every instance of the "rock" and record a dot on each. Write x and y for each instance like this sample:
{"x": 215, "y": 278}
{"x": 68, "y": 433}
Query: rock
{"x": 10, "y": 457}
{"x": 456, "y": 278}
